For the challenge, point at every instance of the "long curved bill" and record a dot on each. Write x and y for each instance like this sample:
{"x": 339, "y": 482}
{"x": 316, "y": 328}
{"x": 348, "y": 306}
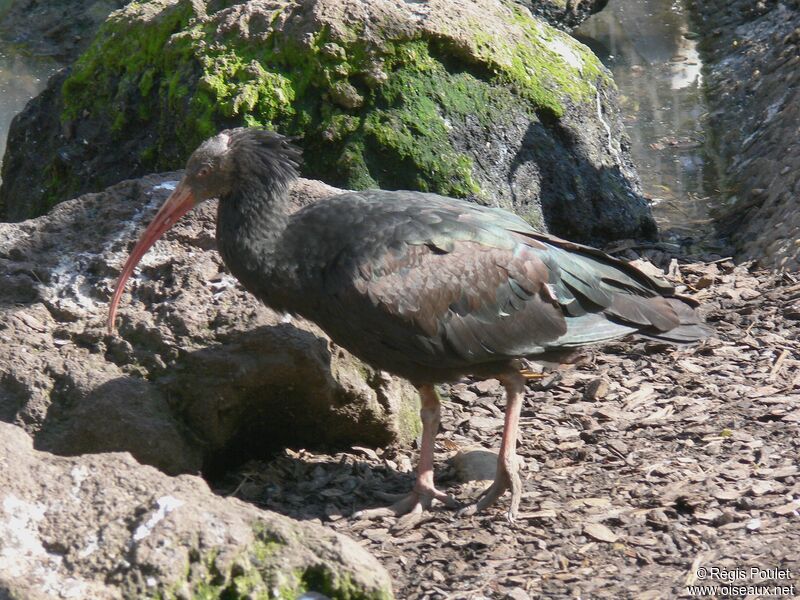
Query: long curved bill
{"x": 178, "y": 204}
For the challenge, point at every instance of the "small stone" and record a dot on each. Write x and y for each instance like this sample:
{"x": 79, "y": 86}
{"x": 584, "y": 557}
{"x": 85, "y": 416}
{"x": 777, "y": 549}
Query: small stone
{"x": 475, "y": 464}
{"x": 566, "y": 433}
{"x": 486, "y": 386}
{"x": 517, "y": 594}
{"x": 726, "y": 518}
{"x": 787, "y": 509}
{"x": 600, "y": 532}
{"x": 346, "y": 95}
{"x": 375, "y": 76}
{"x": 759, "y": 488}
{"x": 465, "y": 396}
{"x": 753, "y": 525}
{"x": 332, "y": 50}
{"x": 726, "y": 494}
{"x": 618, "y": 446}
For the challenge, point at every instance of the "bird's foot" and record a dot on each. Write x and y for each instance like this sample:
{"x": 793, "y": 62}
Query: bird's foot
{"x": 409, "y": 507}
{"x": 507, "y": 479}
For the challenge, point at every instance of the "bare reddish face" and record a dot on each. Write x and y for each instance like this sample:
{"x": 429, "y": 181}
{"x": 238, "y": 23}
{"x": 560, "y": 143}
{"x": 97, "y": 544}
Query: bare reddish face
{"x": 180, "y": 202}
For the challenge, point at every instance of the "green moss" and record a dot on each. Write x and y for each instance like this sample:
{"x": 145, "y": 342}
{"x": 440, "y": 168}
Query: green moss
{"x": 410, "y": 424}
{"x": 256, "y": 574}
{"x": 121, "y": 61}
{"x": 550, "y": 65}
{"x": 341, "y": 587}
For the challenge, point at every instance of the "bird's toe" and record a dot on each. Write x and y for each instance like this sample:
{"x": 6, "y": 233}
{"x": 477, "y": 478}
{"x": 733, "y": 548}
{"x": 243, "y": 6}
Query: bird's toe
{"x": 507, "y": 479}
{"x": 410, "y": 520}
{"x": 409, "y": 507}
{"x": 405, "y": 505}
{"x": 392, "y": 498}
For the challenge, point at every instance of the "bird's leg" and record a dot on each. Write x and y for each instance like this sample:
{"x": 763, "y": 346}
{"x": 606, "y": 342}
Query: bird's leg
{"x": 507, "y": 477}
{"x": 424, "y": 492}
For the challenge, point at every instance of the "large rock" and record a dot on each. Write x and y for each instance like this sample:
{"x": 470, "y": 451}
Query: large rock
{"x": 752, "y": 55}
{"x": 104, "y": 526}
{"x": 472, "y": 98}
{"x": 201, "y": 375}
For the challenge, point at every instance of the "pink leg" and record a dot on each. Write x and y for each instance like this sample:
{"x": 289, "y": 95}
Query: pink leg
{"x": 424, "y": 492}
{"x": 507, "y": 477}
{"x": 430, "y": 415}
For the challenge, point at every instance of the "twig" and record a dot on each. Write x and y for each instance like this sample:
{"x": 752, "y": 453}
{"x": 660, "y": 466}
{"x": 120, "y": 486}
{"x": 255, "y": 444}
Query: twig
{"x": 779, "y": 363}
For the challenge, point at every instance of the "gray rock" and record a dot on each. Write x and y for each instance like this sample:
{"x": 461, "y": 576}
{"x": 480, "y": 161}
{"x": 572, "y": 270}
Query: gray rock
{"x": 468, "y": 98}
{"x": 475, "y": 464}
{"x": 103, "y": 526}
{"x": 201, "y": 375}
{"x": 58, "y": 28}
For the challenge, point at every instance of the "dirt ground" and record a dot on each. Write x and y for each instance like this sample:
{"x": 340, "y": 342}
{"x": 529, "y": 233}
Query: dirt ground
{"x": 646, "y": 468}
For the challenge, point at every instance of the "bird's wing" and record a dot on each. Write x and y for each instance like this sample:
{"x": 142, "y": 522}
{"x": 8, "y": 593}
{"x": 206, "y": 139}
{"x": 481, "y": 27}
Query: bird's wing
{"x": 464, "y": 284}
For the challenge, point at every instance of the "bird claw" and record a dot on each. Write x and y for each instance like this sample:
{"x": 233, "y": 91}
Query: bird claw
{"x": 410, "y": 520}
{"x": 507, "y": 479}
{"x": 410, "y": 508}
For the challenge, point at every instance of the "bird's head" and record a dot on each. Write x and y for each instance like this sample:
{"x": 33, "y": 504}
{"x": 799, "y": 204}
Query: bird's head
{"x": 215, "y": 170}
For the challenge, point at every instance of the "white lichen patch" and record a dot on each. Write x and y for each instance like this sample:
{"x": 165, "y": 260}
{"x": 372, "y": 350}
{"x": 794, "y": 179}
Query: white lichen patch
{"x": 167, "y": 185}
{"x": 165, "y": 505}
{"x": 222, "y": 284}
{"x": 69, "y": 286}
{"x": 92, "y": 546}
{"x": 79, "y": 473}
{"x": 128, "y": 231}
{"x": 23, "y": 555}
{"x": 158, "y": 254}
{"x": 19, "y": 535}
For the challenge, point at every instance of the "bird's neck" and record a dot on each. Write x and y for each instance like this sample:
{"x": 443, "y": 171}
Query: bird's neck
{"x": 251, "y": 223}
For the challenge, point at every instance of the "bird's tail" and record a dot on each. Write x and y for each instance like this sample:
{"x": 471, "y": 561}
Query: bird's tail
{"x": 692, "y": 328}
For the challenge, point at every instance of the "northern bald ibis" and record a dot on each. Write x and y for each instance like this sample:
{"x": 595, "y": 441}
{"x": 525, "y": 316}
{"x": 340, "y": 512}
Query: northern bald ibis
{"x": 425, "y": 287}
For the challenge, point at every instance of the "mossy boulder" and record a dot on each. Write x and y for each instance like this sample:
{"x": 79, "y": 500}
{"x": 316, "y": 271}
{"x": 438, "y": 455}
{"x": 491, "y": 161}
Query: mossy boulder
{"x": 467, "y": 98}
{"x": 105, "y": 527}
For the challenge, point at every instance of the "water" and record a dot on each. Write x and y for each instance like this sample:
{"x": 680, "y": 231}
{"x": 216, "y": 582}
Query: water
{"x": 21, "y": 78}
{"x": 649, "y": 47}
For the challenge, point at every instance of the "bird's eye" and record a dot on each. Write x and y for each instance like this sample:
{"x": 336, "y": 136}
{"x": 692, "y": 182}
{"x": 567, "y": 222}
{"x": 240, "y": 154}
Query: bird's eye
{"x": 203, "y": 172}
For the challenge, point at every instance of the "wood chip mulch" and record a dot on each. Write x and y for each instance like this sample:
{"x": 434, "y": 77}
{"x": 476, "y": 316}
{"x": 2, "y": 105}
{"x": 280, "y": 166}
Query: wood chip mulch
{"x": 642, "y": 464}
